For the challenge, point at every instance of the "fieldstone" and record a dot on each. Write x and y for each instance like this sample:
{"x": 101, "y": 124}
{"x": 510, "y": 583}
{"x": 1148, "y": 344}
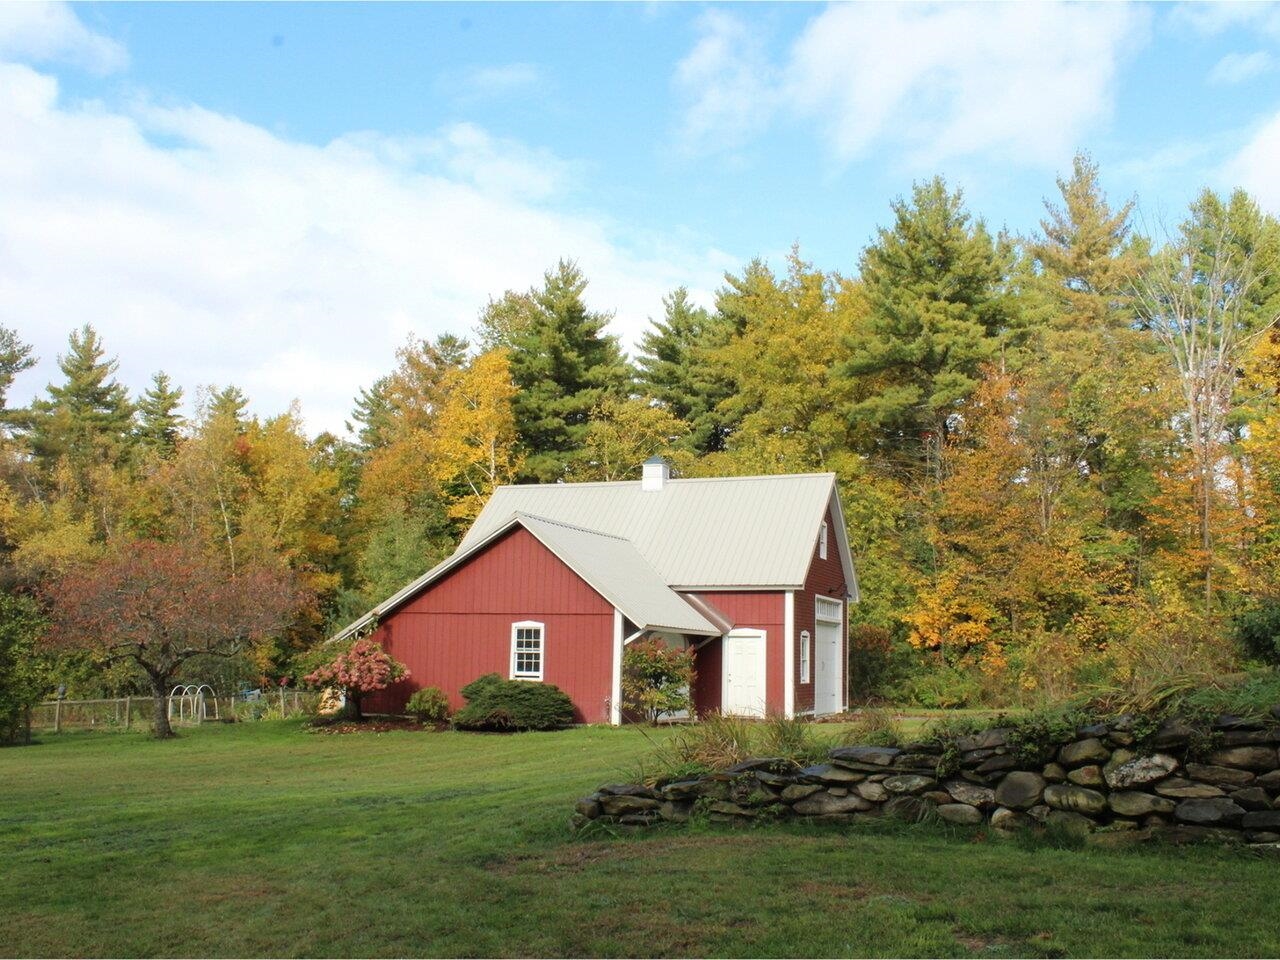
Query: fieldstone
{"x": 824, "y": 804}
{"x": 909, "y": 783}
{"x": 1112, "y": 838}
{"x": 1139, "y": 770}
{"x": 1190, "y": 833}
{"x": 1219, "y": 776}
{"x": 1122, "y": 738}
{"x": 830, "y": 773}
{"x": 837, "y": 791}
{"x": 875, "y": 792}
{"x": 1262, "y": 820}
{"x": 621, "y": 804}
{"x": 1091, "y": 750}
{"x": 1054, "y": 772}
{"x": 1155, "y": 821}
{"x": 1005, "y": 819}
{"x": 1262, "y": 836}
{"x": 771, "y": 779}
{"x": 682, "y": 789}
{"x": 877, "y": 756}
{"x": 1172, "y": 733}
{"x": 936, "y": 796}
{"x": 1242, "y": 738}
{"x": 588, "y": 807}
{"x": 1131, "y": 803}
{"x": 578, "y": 821}
{"x": 915, "y": 761}
{"x": 627, "y": 790}
{"x": 1092, "y": 730}
{"x": 959, "y": 813}
{"x": 638, "y": 819}
{"x": 760, "y": 763}
{"x": 923, "y": 746}
{"x": 726, "y": 808}
{"x": 1088, "y": 776}
{"x": 1266, "y": 849}
{"x": 1070, "y": 821}
{"x": 1001, "y": 761}
{"x": 1214, "y": 812}
{"x": 986, "y": 740}
{"x": 963, "y": 792}
{"x": 1040, "y": 812}
{"x": 1252, "y": 798}
{"x": 1275, "y": 711}
{"x": 676, "y": 811}
{"x": 1020, "y": 790}
{"x": 798, "y": 791}
{"x": 1229, "y": 721}
{"x": 1269, "y": 781}
{"x": 1184, "y": 789}
{"x": 973, "y": 757}
{"x": 1065, "y": 796}
{"x": 1250, "y": 758}
{"x": 907, "y": 807}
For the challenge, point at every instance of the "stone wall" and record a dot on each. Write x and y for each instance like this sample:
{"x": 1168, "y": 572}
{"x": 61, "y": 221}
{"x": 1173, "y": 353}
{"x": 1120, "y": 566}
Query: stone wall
{"x": 1117, "y": 781}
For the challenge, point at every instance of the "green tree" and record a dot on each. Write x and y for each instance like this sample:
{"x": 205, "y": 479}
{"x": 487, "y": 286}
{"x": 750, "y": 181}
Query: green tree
{"x": 563, "y": 365}
{"x": 23, "y": 676}
{"x": 675, "y": 368}
{"x": 229, "y": 402}
{"x": 15, "y": 357}
{"x": 87, "y": 417}
{"x": 938, "y": 309}
{"x": 158, "y": 419}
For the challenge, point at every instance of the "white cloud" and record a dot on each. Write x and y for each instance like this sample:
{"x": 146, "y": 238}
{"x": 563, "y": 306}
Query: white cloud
{"x": 1239, "y": 67}
{"x": 726, "y": 81}
{"x": 221, "y": 252}
{"x": 931, "y": 82}
{"x": 45, "y": 32}
{"x": 500, "y": 80}
{"x": 1254, "y": 167}
{"x": 1212, "y": 19}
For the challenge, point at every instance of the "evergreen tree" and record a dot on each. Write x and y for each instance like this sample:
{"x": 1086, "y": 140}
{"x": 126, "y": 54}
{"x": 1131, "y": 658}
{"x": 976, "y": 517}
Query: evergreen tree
{"x": 937, "y": 311}
{"x": 372, "y": 415}
{"x": 158, "y": 417}
{"x": 15, "y": 357}
{"x": 89, "y": 414}
{"x": 675, "y": 368}
{"x": 563, "y": 364}
{"x": 229, "y": 402}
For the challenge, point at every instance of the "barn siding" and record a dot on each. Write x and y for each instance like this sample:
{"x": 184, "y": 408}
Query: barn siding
{"x": 460, "y": 627}
{"x": 759, "y": 610}
{"x": 825, "y": 579}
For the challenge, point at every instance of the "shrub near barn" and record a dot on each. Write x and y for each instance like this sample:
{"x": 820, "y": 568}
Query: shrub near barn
{"x": 499, "y": 705}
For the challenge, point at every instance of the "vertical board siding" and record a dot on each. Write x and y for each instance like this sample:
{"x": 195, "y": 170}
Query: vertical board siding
{"x": 825, "y": 579}
{"x": 460, "y": 628}
{"x": 747, "y": 609}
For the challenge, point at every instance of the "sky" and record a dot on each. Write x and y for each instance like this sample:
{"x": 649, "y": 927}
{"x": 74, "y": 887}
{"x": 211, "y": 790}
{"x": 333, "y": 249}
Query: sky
{"x": 280, "y": 195}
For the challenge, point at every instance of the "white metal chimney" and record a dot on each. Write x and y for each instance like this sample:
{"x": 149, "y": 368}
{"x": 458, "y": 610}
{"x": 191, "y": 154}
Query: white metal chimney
{"x": 656, "y": 474}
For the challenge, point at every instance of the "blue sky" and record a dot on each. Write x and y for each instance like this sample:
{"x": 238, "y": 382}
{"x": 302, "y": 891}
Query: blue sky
{"x": 278, "y": 195}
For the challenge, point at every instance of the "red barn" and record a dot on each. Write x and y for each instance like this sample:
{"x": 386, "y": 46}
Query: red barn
{"x": 553, "y": 581}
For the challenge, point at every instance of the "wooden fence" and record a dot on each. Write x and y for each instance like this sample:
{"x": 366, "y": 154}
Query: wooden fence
{"x": 125, "y": 713}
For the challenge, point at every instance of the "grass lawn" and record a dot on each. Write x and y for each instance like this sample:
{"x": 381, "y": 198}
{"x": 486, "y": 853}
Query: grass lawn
{"x": 262, "y": 839}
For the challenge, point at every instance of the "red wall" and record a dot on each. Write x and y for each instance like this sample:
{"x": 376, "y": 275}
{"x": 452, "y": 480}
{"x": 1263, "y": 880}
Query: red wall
{"x": 749, "y": 610}
{"x": 825, "y": 579}
{"x": 460, "y": 628}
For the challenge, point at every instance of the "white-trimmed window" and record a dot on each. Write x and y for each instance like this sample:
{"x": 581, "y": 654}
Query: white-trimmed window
{"x": 805, "y": 641}
{"x": 526, "y": 650}
{"x": 822, "y": 542}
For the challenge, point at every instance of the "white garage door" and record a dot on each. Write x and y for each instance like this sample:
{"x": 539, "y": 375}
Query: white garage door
{"x": 743, "y": 690}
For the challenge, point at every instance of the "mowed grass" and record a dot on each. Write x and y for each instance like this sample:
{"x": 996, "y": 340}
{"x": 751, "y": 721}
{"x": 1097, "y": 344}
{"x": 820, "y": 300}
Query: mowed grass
{"x": 263, "y": 839}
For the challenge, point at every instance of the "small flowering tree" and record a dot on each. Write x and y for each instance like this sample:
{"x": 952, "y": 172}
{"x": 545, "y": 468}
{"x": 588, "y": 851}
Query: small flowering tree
{"x": 656, "y": 679}
{"x": 361, "y": 669}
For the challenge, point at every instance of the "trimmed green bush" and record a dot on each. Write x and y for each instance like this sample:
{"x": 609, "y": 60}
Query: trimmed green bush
{"x": 1258, "y": 631}
{"x": 497, "y": 704}
{"x": 430, "y": 705}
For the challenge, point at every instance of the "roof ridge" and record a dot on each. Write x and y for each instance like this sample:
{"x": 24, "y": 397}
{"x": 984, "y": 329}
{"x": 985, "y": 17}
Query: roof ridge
{"x": 571, "y": 526}
{"x": 633, "y": 483}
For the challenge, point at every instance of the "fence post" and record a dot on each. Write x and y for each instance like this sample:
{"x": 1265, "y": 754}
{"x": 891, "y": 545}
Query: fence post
{"x": 295, "y": 701}
{"x": 57, "y": 715}
{"x": 282, "y": 703}
{"x": 128, "y": 710}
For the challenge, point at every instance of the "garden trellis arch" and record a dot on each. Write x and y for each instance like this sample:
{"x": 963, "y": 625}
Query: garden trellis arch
{"x": 193, "y": 705}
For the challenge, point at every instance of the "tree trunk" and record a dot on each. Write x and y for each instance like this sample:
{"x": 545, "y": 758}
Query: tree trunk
{"x": 160, "y": 723}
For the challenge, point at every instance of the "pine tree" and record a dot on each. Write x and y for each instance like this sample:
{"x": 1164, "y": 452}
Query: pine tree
{"x": 158, "y": 417}
{"x": 373, "y": 414}
{"x": 229, "y": 402}
{"x": 675, "y": 368}
{"x": 89, "y": 414}
{"x": 15, "y": 357}
{"x": 937, "y": 311}
{"x": 563, "y": 365}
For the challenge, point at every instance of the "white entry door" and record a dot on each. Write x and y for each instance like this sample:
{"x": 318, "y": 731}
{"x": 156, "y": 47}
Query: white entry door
{"x": 743, "y": 690}
{"x": 828, "y": 669}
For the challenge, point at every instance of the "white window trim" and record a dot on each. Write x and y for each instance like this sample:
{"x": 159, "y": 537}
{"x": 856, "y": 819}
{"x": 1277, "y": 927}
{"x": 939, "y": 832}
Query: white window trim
{"x": 542, "y": 649}
{"x": 822, "y": 542}
{"x": 806, "y": 643}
